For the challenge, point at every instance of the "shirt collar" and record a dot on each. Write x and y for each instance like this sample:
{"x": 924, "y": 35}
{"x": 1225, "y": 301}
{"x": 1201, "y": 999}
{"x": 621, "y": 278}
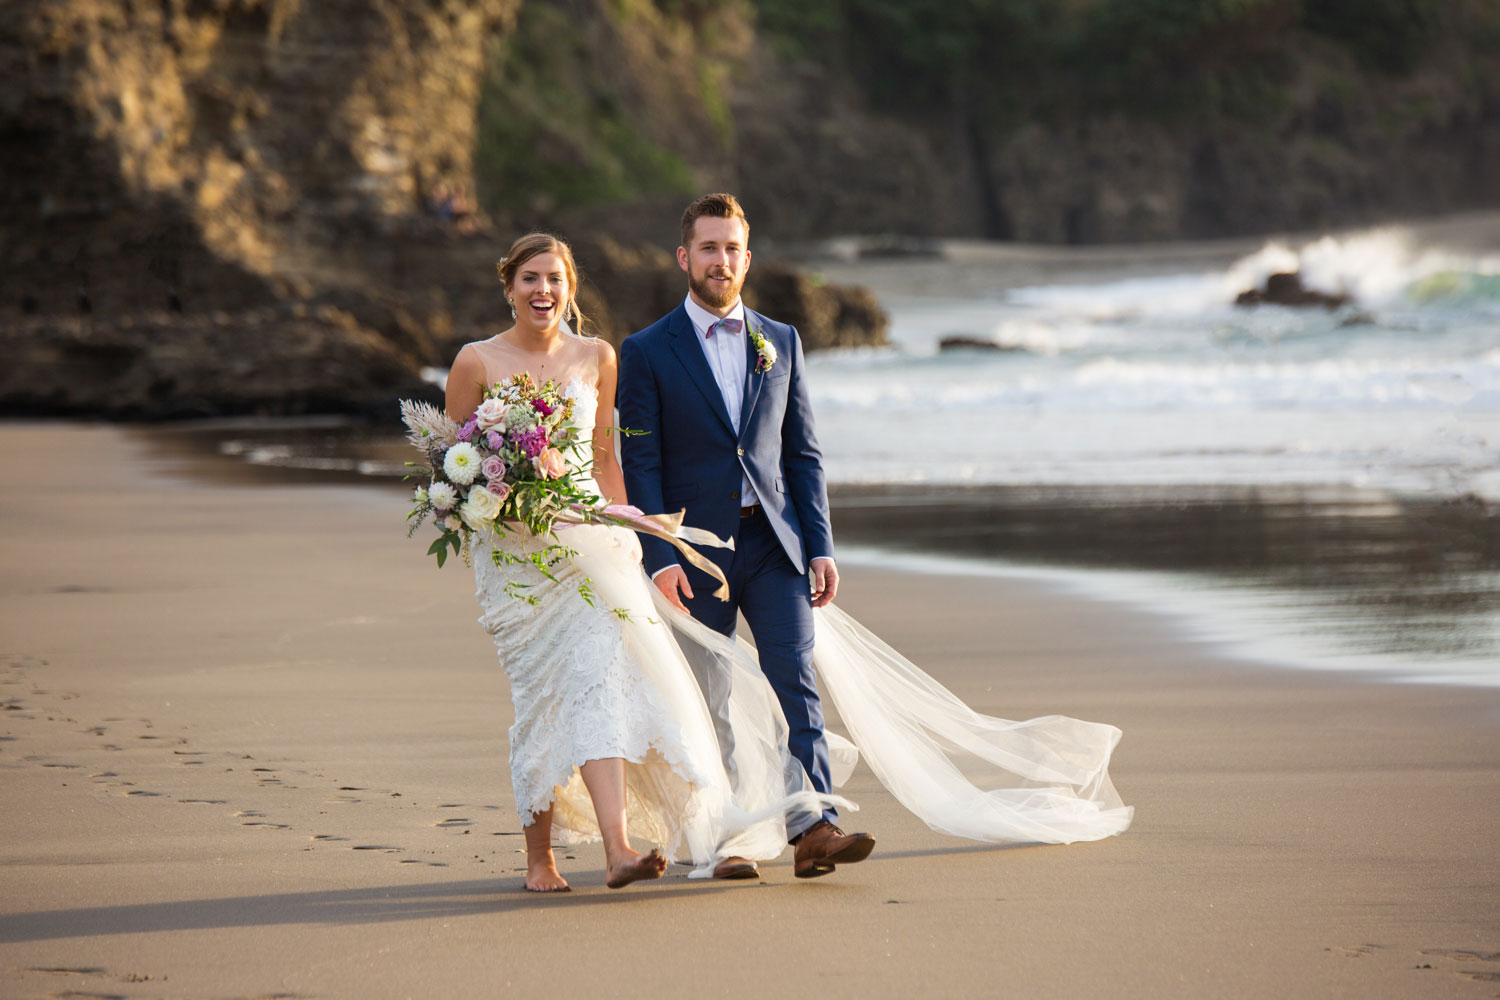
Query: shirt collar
{"x": 703, "y": 319}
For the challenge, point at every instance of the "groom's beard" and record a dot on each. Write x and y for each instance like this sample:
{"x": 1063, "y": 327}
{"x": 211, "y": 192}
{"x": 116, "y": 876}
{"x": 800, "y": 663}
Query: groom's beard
{"x": 712, "y": 296}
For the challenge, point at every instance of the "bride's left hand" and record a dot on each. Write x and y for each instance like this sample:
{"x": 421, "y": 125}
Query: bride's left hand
{"x": 825, "y": 581}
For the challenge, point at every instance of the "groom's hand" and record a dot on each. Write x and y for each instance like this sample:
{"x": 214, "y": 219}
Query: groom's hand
{"x": 825, "y": 581}
{"x": 670, "y": 581}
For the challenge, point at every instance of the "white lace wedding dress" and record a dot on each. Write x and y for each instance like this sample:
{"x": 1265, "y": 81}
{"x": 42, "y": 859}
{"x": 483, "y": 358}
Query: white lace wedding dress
{"x": 590, "y": 683}
{"x": 614, "y": 680}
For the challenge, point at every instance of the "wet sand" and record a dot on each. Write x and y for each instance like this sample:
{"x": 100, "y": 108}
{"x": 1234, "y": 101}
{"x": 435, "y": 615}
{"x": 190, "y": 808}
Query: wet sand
{"x": 253, "y": 745}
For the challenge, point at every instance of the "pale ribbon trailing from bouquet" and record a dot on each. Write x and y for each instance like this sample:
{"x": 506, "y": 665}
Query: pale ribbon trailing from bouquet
{"x": 668, "y": 527}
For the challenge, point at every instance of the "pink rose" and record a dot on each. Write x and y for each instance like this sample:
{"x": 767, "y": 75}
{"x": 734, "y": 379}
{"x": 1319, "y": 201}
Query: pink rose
{"x": 493, "y": 468}
{"x": 549, "y": 463}
{"x": 499, "y": 489}
{"x": 490, "y": 413}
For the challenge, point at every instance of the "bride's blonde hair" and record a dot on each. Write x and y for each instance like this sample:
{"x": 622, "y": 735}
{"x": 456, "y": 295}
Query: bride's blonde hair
{"x": 529, "y": 246}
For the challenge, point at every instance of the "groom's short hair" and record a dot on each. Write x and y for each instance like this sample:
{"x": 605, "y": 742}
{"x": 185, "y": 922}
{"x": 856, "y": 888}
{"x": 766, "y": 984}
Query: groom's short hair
{"x": 715, "y": 206}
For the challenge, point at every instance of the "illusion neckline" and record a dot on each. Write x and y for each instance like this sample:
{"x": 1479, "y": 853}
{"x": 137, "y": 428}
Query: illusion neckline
{"x": 499, "y": 338}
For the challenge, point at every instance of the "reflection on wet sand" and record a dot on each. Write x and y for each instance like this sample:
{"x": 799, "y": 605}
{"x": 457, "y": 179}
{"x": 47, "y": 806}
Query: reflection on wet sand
{"x": 1409, "y": 583}
{"x": 1370, "y": 572}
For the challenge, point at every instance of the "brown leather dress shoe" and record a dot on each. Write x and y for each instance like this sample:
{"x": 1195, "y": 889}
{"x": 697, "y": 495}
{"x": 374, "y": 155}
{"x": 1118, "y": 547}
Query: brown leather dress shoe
{"x": 736, "y": 867}
{"x": 824, "y": 845}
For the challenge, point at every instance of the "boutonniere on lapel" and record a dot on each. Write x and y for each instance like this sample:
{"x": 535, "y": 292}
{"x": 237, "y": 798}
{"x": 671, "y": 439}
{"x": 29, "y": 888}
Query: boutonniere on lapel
{"x": 765, "y": 353}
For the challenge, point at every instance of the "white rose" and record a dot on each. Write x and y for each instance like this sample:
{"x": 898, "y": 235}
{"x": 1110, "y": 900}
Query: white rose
{"x": 462, "y": 463}
{"x": 480, "y": 509}
{"x": 490, "y": 413}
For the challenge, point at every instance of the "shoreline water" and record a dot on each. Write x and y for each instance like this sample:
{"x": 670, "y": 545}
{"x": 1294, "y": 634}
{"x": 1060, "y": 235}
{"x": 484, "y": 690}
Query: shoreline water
{"x": 1385, "y": 584}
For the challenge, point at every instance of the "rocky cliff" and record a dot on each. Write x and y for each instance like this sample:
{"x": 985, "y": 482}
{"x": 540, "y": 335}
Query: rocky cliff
{"x": 1032, "y": 120}
{"x": 228, "y": 206}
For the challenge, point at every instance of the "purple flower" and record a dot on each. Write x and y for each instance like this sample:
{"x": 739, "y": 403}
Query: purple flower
{"x": 532, "y": 442}
{"x": 494, "y": 440}
{"x": 493, "y": 468}
{"x": 469, "y": 430}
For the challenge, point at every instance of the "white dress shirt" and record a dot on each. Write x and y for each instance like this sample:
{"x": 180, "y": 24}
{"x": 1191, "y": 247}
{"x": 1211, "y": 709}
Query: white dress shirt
{"x": 726, "y": 353}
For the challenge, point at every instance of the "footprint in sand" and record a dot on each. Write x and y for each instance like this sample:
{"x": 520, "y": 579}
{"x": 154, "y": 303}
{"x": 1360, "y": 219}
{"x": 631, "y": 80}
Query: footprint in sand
{"x": 1463, "y": 955}
{"x": 1467, "y": 955}
{"x": 453, "y": 824}
{"x": 142, "y": 792}
{"x": 1355, "y": 951}
{"x": 204, "y": 802}
{"x": 327, "y": 837}
{"x": 377, "y": 847}
{"x": 265, "y": 824}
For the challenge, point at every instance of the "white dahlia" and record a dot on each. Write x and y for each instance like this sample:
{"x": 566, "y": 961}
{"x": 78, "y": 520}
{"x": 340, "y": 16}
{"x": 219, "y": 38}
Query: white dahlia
{"x": 442, "y": 496}
{"x": 462, "y": 463}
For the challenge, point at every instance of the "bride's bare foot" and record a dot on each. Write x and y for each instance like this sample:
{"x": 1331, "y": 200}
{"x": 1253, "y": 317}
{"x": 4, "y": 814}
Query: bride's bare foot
{"x": 635, "y": 867}
{"x": 542, "y": 876}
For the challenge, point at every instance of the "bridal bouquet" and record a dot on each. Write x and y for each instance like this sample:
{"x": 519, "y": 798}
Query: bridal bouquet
{"x": 517, "y": 463}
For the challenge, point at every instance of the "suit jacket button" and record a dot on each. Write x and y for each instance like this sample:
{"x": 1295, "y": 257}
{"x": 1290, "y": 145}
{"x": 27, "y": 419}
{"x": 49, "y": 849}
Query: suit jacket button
{"x": 735, "y": 495}
{"x": 740, "y": 451}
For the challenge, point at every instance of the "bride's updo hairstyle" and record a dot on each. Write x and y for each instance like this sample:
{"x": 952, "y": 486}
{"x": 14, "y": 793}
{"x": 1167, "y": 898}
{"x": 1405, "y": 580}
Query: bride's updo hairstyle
{"x": 529, "y": 246}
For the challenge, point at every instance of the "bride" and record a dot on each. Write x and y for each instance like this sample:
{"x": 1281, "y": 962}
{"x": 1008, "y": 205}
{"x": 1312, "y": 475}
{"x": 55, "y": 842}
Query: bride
{"x": 613, "y": 735}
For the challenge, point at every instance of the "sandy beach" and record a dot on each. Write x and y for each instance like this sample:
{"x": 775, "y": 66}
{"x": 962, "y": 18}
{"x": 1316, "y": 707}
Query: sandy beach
{"x": 253, "y": 745}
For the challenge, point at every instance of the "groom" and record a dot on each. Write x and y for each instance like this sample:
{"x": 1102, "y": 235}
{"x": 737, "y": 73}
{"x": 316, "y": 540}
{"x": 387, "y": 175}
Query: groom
{"x": 719, "y": 391}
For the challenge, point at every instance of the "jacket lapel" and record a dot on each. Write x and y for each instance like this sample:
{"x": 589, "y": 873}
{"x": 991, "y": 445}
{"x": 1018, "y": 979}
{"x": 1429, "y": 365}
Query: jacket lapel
{"x": 753, "y": 379}
{"x": 690, "y": 354}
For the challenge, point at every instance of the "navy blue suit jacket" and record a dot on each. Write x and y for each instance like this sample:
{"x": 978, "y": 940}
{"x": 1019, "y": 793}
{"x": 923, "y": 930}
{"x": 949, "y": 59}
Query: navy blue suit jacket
{"x": 692, "y": 457}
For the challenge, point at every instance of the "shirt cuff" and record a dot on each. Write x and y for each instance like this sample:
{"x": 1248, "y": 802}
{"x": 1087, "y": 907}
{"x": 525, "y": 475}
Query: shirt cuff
{"x": 820, "y": 559}
{"x": 664, "y": 569}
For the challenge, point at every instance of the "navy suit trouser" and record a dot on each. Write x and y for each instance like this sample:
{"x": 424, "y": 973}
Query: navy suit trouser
{"x": 777, "y": 604}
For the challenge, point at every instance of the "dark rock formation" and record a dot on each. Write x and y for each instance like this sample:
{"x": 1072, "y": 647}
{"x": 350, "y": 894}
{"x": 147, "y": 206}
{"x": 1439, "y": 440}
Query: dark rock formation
{"x": 286, "y": 361}
{"x": 1285, "y": 288}
{"x": 965, "y": 342}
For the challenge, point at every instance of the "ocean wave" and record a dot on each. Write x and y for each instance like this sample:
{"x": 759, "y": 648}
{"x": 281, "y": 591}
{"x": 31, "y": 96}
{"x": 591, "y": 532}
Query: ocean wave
{"x": 1381, "y": 267}
{"x": 1108, "y": 382}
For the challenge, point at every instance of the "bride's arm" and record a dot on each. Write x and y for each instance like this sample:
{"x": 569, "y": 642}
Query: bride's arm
{"x": 465, "y": 388}
{"x": 606, "y": 466}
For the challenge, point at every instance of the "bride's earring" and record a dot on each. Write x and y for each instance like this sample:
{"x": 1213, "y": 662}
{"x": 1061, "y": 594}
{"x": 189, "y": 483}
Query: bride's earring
{"x": 512, "y": 308}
